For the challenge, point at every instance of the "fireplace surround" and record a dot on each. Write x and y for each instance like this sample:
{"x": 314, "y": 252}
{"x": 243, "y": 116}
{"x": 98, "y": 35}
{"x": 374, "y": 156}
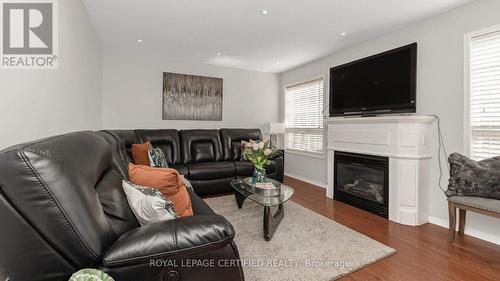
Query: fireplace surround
{"x": 406, "y": 140}
{"x": 362, "y": 181}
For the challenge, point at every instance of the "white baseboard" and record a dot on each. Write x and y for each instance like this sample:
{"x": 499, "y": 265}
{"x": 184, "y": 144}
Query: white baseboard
{"x": 311, "y": 181}
{"x": 495, "y": 239}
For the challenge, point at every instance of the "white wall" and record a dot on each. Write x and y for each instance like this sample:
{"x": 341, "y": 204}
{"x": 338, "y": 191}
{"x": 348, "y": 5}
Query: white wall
{"x": 40, "y": 103}
{"x": 440, "y": 91}
{"x": 132, "y": 94}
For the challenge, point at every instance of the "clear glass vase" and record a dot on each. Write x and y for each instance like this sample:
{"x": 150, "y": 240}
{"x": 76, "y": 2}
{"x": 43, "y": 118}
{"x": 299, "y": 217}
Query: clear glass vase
{"x": 259, "y": 175}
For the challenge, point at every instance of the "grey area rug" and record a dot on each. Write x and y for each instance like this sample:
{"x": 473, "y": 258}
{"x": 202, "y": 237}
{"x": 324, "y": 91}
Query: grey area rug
{"x": 306, "y": 245}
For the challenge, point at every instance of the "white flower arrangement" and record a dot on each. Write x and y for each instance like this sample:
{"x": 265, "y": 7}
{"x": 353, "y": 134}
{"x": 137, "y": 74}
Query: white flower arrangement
{"x": 259, "y": 153}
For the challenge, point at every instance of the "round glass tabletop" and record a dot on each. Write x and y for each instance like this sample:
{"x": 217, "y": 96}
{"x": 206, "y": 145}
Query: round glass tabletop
{"x": 266, "y": 201}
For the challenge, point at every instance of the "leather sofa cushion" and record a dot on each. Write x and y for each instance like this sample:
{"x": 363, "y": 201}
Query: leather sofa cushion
{"x": 211, "y": 170}
{"x": 168, "y": 181}
{"x": 200, "y": 207}
{"x": 244, "y": 168}
{"x": 25, "y": 253}
{"x": 140, "y": 153}
{"x": 202, "y": 152}
{"x": 271, "y": 168}
{"x": 52, "y": 182}
{"x": 182, "y": 169}
{"x": 194, "y": 145}
{"x": 210, "y": 187}
{"x": 119, "y": 162}
{"x": 236, "y": 150}
{"x": 125, "y": 139}
{"x": 114, "y": 203}
{"x": 184, "y": 236}
{"x": 165, "y": 139}
{"x": 231, "y": 141}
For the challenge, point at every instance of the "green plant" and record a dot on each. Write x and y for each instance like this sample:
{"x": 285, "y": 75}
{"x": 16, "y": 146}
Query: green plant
{"x": 90, "y": 274}
{"x": 259, "y": 153}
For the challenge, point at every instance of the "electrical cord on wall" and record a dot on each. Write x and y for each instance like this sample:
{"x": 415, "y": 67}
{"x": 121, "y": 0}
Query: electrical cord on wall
{"x": 323, "y": 112}
{"x": 441, "y": 147}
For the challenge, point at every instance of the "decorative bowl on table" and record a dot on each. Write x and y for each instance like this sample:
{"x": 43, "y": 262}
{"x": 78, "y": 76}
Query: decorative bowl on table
{"x": 269, "y": 187}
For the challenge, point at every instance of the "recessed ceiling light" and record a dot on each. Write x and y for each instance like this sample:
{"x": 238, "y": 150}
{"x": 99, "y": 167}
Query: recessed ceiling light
{"x": 343, "y": 33}
{"x": 277, "y": 62}
{"x": 139, "y": 40}
{"x": 264, "y": 12}
{"x": 219, "y": 53}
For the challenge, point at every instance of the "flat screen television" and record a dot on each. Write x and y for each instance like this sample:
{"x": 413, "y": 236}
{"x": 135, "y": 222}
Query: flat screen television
{"x": 381, "y": 84}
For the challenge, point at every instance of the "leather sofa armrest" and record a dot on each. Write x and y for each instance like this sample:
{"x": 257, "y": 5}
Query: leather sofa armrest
{"x": 181, "y": 236}
{"x": 279, "y": 154}
{"x": 279, "y": 166}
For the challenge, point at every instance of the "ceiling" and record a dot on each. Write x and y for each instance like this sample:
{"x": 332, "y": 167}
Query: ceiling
{"x": 292, "y": 33}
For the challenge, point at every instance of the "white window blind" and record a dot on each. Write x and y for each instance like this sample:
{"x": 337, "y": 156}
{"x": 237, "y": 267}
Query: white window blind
{"x": 485, "y": 95}
{"x": 304, "y": 119}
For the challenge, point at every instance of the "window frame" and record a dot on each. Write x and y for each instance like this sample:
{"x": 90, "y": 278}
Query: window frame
{"x": 319, "y": 155}
{"x": 467, "y": 137}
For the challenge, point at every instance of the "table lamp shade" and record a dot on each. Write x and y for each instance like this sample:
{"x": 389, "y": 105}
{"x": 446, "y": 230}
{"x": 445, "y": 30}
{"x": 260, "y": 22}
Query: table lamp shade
{"x": 276, "y": 128}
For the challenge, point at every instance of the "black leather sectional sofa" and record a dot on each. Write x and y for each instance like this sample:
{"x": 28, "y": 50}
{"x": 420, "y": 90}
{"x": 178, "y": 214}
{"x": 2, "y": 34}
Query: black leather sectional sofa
{"x": 208, "y": 158}
{"x": 62, "y": 207}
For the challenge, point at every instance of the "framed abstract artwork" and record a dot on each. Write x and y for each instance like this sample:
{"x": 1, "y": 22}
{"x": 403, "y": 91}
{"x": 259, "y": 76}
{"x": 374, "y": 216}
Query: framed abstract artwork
{"x": 191, "y": 97}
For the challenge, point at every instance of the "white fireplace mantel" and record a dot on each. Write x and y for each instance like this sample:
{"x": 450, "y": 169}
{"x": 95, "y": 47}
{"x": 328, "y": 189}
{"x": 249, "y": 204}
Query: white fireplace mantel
{"x": 405, "y": 140}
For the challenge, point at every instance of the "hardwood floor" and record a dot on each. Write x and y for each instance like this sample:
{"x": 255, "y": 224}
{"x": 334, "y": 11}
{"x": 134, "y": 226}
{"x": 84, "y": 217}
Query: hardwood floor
{"x": 423, "y": 252}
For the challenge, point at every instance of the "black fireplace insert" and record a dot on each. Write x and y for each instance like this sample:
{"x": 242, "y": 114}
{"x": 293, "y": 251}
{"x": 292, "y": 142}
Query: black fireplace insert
{"x": 362, "y": 181}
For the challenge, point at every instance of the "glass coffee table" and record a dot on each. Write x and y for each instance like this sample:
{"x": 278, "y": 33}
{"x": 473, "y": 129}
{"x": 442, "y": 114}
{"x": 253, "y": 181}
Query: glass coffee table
{"x": 271, "y": 222}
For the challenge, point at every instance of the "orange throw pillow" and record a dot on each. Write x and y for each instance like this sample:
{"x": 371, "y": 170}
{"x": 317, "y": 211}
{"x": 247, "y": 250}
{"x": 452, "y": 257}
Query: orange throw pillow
{"x": 140, "y": 153}
{"x": 168, "y": 181}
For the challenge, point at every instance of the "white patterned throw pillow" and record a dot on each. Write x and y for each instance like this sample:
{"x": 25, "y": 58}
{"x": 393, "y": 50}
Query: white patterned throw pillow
{"x": 187, "y": 183}
{"x": 157, "y": 158}
{"x": 148, "y": 204}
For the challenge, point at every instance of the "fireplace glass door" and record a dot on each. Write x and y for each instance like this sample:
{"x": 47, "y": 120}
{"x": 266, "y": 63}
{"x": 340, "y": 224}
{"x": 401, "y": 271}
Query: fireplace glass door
{"x": 362, "y": 181}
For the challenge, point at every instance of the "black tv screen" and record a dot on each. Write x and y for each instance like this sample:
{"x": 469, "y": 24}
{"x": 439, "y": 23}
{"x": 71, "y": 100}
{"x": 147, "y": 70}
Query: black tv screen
{"x": 380, "y": 84}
